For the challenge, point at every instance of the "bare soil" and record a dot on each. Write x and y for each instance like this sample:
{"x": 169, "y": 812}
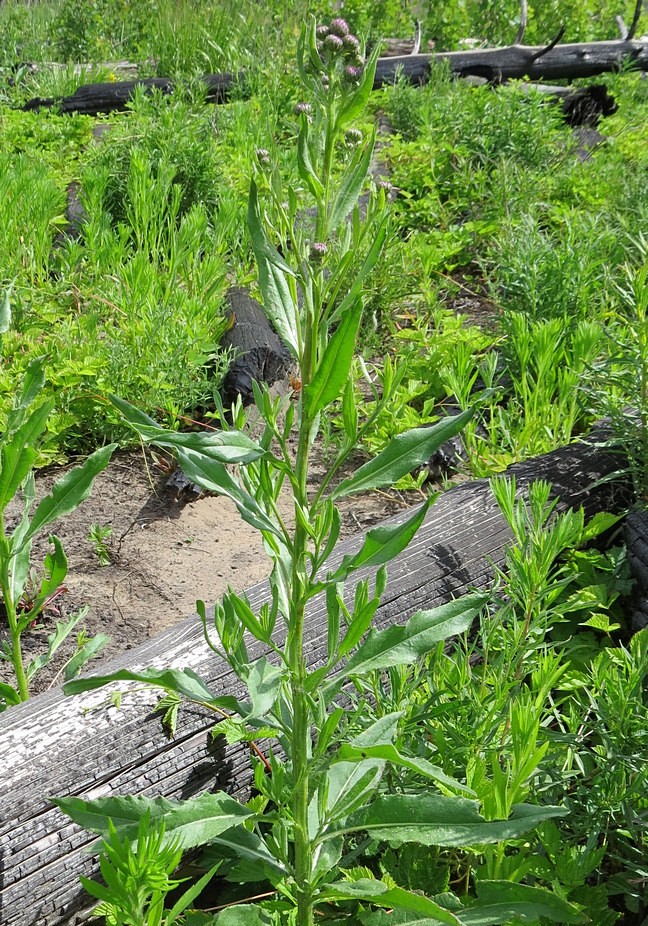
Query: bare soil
{"x": 167, "y": 549}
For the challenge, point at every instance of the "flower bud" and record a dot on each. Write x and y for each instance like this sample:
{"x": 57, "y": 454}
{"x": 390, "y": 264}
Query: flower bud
{"x": 352, "y": 74}
{"x": 322, "y": 31}
{"x": 351, "y": 45}
{"x": 317, "y": 252}
{"x": 332, "y": 45}
{"x": 353, "y": 138}
{"x": 303, "y": 109}
{"x": 339, "y": 27}
{"x": 263, "y": 157}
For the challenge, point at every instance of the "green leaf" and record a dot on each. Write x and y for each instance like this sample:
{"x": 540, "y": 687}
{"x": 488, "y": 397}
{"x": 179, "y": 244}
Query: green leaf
{"x": 436, "y": 820}
{"x": 352, "y": 184}
{"x": 18, "y": 454}
{"x": 368, "y": 264}
{"x": 356, "y": 102}
{"x": 5, "y": 312}
{"x": 83, "y": 656}
{"x": 68, "y": 493}
{"x": 381, "y": 545}
{"x": 9, "y": 696}
{"x": 333, "y": 370}
{"x": 389, "y": 752}
{"x": 501, "y": 901}
{"x": 403, "y": 454}
{"x": 242, "y": 915}
{"x": 213, "y": 477}
{"x": 54, "y": 641}
{"x": 263, "y": 684}
{"x": 33, "y": 382}
{"x": 304, "y": 163}
{"x": 190, "y": 823}
{"x": 221, "y": 446}
{"x": 404, "y": 644}
{"x": 278, "y": 302}
{"x": 181, "y": 681}
{"x": 350, "y": 785}
{"x": 254, "y": 856}
{"x": 189, "y": 896}
{"x": 55, "y": 572}
{"x": 380, "y": 894}
{"x": 398, "y": 917}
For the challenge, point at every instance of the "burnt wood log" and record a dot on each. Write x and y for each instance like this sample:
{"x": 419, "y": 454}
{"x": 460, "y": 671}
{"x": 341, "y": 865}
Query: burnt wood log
{"x": 87, "y": 746}
{"x": 261, "y": 355}
{"x": 583, "y": 59}
{"x": 635, "y": 534}
{"x": 92, "y": 99}
{"x": 586, "y": 59}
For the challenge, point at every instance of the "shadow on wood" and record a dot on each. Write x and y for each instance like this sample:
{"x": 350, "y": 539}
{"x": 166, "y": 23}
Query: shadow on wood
{"x": 88, "y": 746}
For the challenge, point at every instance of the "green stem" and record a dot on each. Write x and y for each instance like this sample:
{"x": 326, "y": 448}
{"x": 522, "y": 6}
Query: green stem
{"x": 12, "y": 620}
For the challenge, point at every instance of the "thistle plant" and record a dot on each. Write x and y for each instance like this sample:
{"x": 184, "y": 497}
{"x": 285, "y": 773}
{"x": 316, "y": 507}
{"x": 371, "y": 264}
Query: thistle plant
{"x": 324, "y": 780}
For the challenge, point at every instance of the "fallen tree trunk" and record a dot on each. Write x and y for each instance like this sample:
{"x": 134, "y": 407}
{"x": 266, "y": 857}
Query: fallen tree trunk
{"x": 561, "y": 62}
{"x": 92, "y": 99}
{"x": 87, "y": 746}
{"x": 494, "y": 64}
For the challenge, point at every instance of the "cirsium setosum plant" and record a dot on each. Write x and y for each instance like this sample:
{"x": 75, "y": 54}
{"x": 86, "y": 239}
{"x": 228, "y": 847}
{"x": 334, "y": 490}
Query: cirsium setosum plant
{"x": 324, "y": 785}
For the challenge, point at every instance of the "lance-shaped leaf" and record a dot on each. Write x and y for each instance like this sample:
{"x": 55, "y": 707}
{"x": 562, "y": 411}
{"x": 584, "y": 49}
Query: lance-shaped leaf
{"x": 278, "y": 302}
{"x": 254, "y": 857}
{"x": 382, "y": 895}
{"x": 5, "y": 312}
{"x": 390, "y": 753}
{"x": 180, "y": 681}
{"x": 355, "y": 103}
{"x": 501, "y": 901}
{"x": 213, "y": 477}
{"x": 68, "y": 493}
{"x": 404, "y": 644}
{"x": 17, "y": 455}
{"x": 352, "y": 184}
{"x": 350, "y": 785}
{"x": 263, "y": 684}
{"x": 304, "y": 162}
{"x": 221, "y": 446}
{"x": 192, "y": 823}
{"x": 241, "y": 915}
{"x": 403, "y": 454}
{"x": 436, "y": 820}
{"x": 33, "y": 382}
{"x": 355, "y": 289}
{"x": 381, "y": 545}
{"x": 333, "y": 369}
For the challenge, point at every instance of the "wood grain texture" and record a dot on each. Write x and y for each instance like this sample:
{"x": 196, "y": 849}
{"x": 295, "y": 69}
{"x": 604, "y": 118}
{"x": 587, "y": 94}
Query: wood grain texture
{"x": 86, "y": 746}
{"x": 585, "y": 59}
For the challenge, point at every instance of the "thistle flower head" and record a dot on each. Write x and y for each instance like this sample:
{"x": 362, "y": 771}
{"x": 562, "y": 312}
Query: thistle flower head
{"x": 352, "y": 74}
{"x": 322, "y": 31}
{"x": 303, "y": 109}
{"x": 339, "y": 27}
{"x": 332, "y": 44}
{"x": 351, "y": 45}
{"x": 263, "y": 157}
{"x": 353, "y": 138}
{"x": 317, "y": 252}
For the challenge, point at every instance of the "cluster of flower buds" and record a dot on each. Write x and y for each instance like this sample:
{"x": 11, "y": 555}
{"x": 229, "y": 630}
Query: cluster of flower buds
{"x": 317, "y": 252}
{"x": 263, "y": 157}
{"x": 336, "y": 43}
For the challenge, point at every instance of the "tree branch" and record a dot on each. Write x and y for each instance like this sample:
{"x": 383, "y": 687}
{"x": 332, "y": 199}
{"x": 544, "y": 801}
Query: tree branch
{"x": 551, "y": 45}
{"x": 524, "y": 15}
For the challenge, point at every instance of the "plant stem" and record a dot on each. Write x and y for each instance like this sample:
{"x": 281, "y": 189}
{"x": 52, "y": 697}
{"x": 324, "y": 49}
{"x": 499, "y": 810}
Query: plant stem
{"x": 12, "y": 620}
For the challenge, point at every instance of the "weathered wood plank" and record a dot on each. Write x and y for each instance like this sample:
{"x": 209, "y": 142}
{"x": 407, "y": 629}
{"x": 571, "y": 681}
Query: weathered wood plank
{"x": 54, "y": 745}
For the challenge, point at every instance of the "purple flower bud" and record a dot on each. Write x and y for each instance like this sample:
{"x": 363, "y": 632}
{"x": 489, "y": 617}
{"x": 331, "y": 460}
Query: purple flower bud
{"x": 332, "y": 44}
{"x": 386, "y": 186}
{"x": 321, "y": 32}
{"x": 325, "y": 81}
{"x": 317, "y": 252}
{"x": 352, "y": 74}
{"x": 303, "y": 109}
{"x": 351, "y": 44}
{"x": 263, "y": 157}
{"x": 339, "y": 27}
